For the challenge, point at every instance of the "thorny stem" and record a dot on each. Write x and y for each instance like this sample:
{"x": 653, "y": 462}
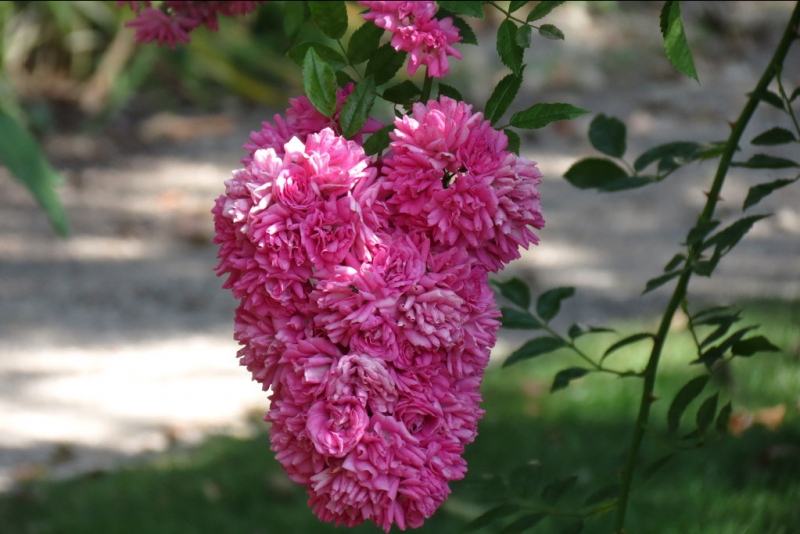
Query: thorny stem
{"x": 789, "y": 34}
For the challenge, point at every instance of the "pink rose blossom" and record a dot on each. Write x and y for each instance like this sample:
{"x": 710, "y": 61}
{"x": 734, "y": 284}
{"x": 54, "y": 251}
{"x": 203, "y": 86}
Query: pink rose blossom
{"x": 335, "y": 427}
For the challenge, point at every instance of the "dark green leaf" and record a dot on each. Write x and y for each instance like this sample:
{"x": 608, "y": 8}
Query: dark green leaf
{"x": 364, "y": 42}
{"x": 685, "y": 396}
{"x": 26, "y": 162}
{"x": 470, "y": 9}
{"x": 319, "y": 82}
{"x": 578, "y": 330}
{"x": 723, "y": 419}
{"x": 541, "y": 10}
{"x": 384, "y": 63}
{"x": 342, "y": 78}
{"x": 294, "y": 15}
{"x": 522, "y": 524}
{"x": 764, "y": 161}
{"x": 540, "y": 115}
{"x": 378, "y": 141}
{"x": 706, "y": 413}
{"x": 657, "y": 465}
{"x": 549, "y": 31}
{"x": 594, "y": 173}
{"x": 607, "y": 134}
{"x": 508, "y": 49}
{"x": 524, "y": 479}
{"x": 403, "y": 93}
{"x": 523, "y": 37}
{"x": 676, "y": 151}
{"x": 549, "y": 303}
{"x": 663, "y": 18}
{"x": 330, "y": 16}
{"x": 675, "y": 44}
{"x": 501, "y": 98}
{"x": 699, "y": 232}
{"x": 605, "y": 494}
{"x": 626, "y": 341}
{"x": 515, "y": 5}
{"x": 727, "y": 238}
{"x": 513, "y": 141}
{"x": 750, "y": 346}
{"x": 535, "y": 347}
{"x": 326, "y": 53}
{"x": 516, "y": 291}
{"x": 355, "y": 110}
{"x": 714, "y": 315}
{"x": 773, "y": 99}
{"x": 774, "y": 136}
{"x": 498, "y": 512}
{"x": 795, "y": 94}
{"x": 724, "y": 324}
{"x": 674, "y": 263}
{"x": 758, "y": 192}
{"x": 450, "y": 92}
{"x": 521, "y": 320}
{"x": 658, "y": 281}
{"x": 705, "y": 267}
{"x": 553, "y": 492}
{"x": 464, "y": 29}
{"x": 574, "y": 527}
{"x": 563, "y": 378}
{"x": 715, "y": 353}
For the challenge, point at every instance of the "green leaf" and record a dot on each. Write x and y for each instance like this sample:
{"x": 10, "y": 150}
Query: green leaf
{"x": 384, "y": 63}
{"x": 710, "y": 357}
{"x": 685, "y": 396}
{"x": 578, "y": 330}
{"x": 516, "y": 291}
{"x": 651, "y": 469}
{"x": 540, "y": 115}
{"x": 603, "y": 495}
{"x": 774, "y": 136}
{"x": 723, "y": 419}
{"x": 706, "y": 413}
{"x": 523, "y": 37}
{"x": 513, "y": 141}
{"x": 574, "y": 527}
{"x": 750, "y": 346}
{"x": 764, "y": 161}
{"x": 470, "y": 9}
{"x": 795, "y": 94}
{"x": 771, "y": 98}
{"x": 537, "y": 346}
{"x": 450, "y": 92}
{"x": 552, "y": 493}
{"x": 378, "y": 141}
{"x": 520, "y": 320}
{"x": 758, "y": 192}
{"x": 675, "y": 262}
{"x": 714, "y": 314}
{"x": 549, "y": 303}
{"x": 524, "y": 479}
{"x": 541, "y": 10}
{"x": 326, "y": 53}
{"x": 724, "y": 323}
{"x": 626, "y": 341}
{"x": 607, "y": 134}
{"x": 330, "y": 16}
{"x": 676, "y": 153}
{"x": 342, "y": 78}
{"x": 563, "y": 378}
{"x": 319, "y": 82}
{"x": 508, "y": 49}
{"x": 699, "y": 232}
{"x": 294, "y": 15}
{"x": 355, "y": 110}
{"x": 594, "y": 173}
{"x": 26, "y": 162}
{"x": 515, "y": 5}
{"x": 549, "y": 31}
{"x": 464, "y": 29}
{"x": 498, "y": 512}
{"x": 364, "y": 42}
{"x": 726, "y": 239}
{"x": 658, "y": 281}
{"x": 404, "y": 93}
{"x": 675, "y": 44}
{"x": 522, "y": 524}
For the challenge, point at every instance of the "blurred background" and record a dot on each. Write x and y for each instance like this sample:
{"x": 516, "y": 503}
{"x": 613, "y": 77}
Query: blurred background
{"x": 119, "y": 386}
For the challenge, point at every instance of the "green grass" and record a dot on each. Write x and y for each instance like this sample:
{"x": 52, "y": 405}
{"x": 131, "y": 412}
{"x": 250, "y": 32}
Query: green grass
{"x": 737, "y": 485}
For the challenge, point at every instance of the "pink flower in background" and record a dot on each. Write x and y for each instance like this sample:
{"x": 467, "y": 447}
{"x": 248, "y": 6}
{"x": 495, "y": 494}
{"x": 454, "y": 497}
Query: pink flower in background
{"x": 155, "y": 25}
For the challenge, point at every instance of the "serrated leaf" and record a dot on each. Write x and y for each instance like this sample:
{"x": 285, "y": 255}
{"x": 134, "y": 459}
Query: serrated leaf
{"x": 509, "y": 51}
{"x": 553, "y": 492}
{"x": 774, "y": 136}
{"x": 764, "y": 161}
{"x": 675, "y": 43}
{"x": 658, "y": 281}
{"x": 489, "y": 517}
{"x": 520, "y": 320}
{"x": 771, "y": 98}
{"x": 523, "y": 37}
{"x": 682, "y": 399}
{"x": 706, "y": 413}
{"x": 355, "y": 110}
{"x": 330, "y": 16}
{"x": 675, "y": 262}
{"x": 385, "y": 63}
{"x": 653, "y": 468}
{"x": 540, "y": 115}
{"x": 578, "y": 330}
{"x": 403, "y": 93}
{"x": 594, "y": 173}
{"x": 626, "y": 341}
{"x": 726, "y": 239}
{"x": 699, "y": 232}
{"x": 522, "y": 524}
{"x": 604, "y": 494}
{"x": 723, "y": 419}
{"x": 549, "y": 31}
{"x": 319, "y": 82}
{"x": 378, "y": 141}
{"x": 564, "y": 377}
{"x": 715, "y": 353}
{"x": 470, "y": 9}
{"x": 541, "y": 10}
{"x": 515, "y": 5}
{"x": 758, "y": 192}
{"x": 524, "y": 479}
{"x": 516, "y": 291}
{"x": 538, "y": 346}
{"x": 326, "y": 53}
{"x": 465, "y": 31}
{"x": 364, "y": 42}
{"x": 750, "y": 346}
{"x": 27, "y": 163}
{"x": 549, "y": 303}
{"x": 513, "y": 141}
{"x": 607, "y": 134}
{"x": 450, "y": 92}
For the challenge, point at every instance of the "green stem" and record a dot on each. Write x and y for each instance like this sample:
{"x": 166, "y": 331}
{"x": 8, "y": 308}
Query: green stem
{"x": 426, "y": 88}
{"x": 789, "y": 34}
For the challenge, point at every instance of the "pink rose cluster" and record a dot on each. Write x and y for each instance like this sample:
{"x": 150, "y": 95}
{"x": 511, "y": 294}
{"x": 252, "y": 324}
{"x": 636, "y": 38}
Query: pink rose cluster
{"x": 171, "y": 23}
{"x": 415, "y": 30}
{"x": 364, "y": 302}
